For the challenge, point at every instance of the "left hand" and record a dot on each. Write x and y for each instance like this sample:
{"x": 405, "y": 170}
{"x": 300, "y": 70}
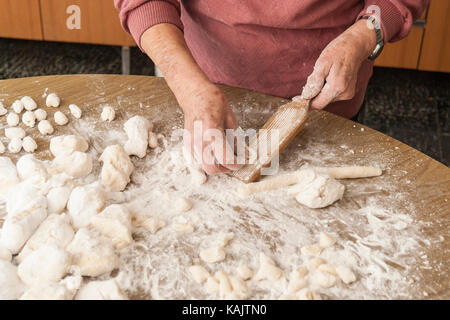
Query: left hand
{"x": 336, "y": 70}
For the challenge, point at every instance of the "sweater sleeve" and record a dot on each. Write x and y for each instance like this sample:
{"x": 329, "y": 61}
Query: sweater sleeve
{"x": 136, "y": 16}
{"x": 396, "y": 16}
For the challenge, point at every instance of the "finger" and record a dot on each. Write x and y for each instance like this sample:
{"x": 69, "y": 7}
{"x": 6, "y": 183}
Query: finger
{"x": 224, "y": 154}
{"x": 326, "y": 96}
{"x": 316, "y": 80}
{"x": 336, "y": 84}
{"x": 209, "y": 163}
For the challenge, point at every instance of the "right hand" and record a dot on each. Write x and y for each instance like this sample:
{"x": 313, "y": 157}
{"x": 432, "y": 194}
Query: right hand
{"x": 207, "y": 105}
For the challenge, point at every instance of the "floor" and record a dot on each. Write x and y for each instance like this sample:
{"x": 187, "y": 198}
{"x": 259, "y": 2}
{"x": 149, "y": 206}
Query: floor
{"x": 411, "y": 106}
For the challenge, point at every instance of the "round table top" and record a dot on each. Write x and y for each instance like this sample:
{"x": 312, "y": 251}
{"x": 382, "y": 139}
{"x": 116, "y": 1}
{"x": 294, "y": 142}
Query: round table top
{"x": 327, "y": 140}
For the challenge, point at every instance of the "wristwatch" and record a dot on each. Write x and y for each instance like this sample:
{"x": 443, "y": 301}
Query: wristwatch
{"x": 380, "y": 43}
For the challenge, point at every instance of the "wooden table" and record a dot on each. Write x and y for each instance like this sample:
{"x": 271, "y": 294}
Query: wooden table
{"x": 424, "y": 180}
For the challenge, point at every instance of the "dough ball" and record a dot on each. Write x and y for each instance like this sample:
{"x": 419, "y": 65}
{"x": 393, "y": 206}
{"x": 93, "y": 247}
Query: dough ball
{"x": 244, "y": 271}
{"x": 314, "y": 263}
{"x": 114, "y": 222}
{"x": 183, "y": 227}
{"x": 29, "y": 103}
{"x": 117, "y": 168}
{"x": 2, "y": 148}
{"x": 346, "y": 274}
{"x": 137, "y": 129}
{"x": 153, "y": 224}
{"x": 311, "y": 250}
{"x": 8, "y": 174}
{"x": 3, "y": 110}
{"x": 48, "y": 291}
{"x": 267, "y": 269}
{"x": 108, "y": 114}
{"x": 12, "y": 119}
{"x": 297, "y": 280}
{"x": 29, "y": 145}
{"x": 101, "y": 290}
{"x": 213, "y": 254}
{"x": 29, "y": 119}
{"x": 324, "y": 280}
{"x": 327, "y": 268}
{"x": 67, "y": 144}
{"x": 40, "y": 114}
{"x": 75, "y": 111}
{"x": 53, "y": 100}
{"x": 57, "y": 199}
{"x": 17, "y": 106}
{"x": 152, "y": 140}
{"x": 60, "y": 118}
{"x": 77, "y": 164}
{"x": 198, "y": 273}
{"x": 11, "y": 287}
{"x": 45, "y": 127}
{"x": 326, "y": 240}
{"x": 28, "y": 166}
{"x": 15, "y": 132}
{"x": 239, "y": 288}
{"x": 15, "y": 145}
{"x": 49, "y": 263}
{"x": 92, "y": 253}
{"x": 183, "y": 205}
{"x": 55, "y": 230}
{"x": 84, "y": 203}
{"x": 321, "y": 192}
{"x": 225, "y": 288}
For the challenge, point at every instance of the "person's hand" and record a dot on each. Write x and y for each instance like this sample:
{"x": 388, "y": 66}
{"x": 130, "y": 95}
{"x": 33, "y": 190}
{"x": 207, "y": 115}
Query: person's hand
{"x": 207, "y": 107}
{"x": 335, "y": 71}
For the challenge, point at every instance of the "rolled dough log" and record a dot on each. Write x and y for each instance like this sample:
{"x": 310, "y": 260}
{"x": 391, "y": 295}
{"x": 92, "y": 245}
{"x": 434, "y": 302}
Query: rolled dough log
{"x": 353, "y": 172}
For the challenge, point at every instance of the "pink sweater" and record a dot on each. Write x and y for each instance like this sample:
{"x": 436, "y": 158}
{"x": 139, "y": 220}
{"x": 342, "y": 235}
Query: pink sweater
{"x": 267, "y": 46}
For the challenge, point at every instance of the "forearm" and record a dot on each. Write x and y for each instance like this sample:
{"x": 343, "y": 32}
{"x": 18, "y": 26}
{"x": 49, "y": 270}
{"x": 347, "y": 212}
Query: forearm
{"x": 165, "y": 45}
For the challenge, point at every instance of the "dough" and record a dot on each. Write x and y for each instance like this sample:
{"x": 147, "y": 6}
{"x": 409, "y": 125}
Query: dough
{"x": 152, "y": 140}
{"x": 17, "y": 106}
{"x": 267, "y": 269}
{"x": 244, "y": 272}
{"x": 11, "y": 287}
{"x": 15, "y": 145}
{"x": 153, "y": 224}
{"x": 8, "y": 174}
{"x": 183, "y": 227}
{"x": 40, "y": 114}
{"x": 108, "y": 114}
{"x": 323, "y": 279}
{"x": 75, "y": 111}
{"x": 114, "y": 222}
{"x": 67, "y": 144}
{"x": 351, "y": 172}
{"x": 307, "y": 294}
{"x": 52, "y": 100}
{"x": 311, "y": 250}
{"x": 327, "y": 268}
{"x": 346, "y": 274}
{"x": 28, "y": 103}
{"x": 77, "y": 164}
{"x": 239, "y": 287}
{"x": 92, "y": 253}
{"x": 26, "y": 208}
{"x": 49, "y": 263}
{"x": 117, "y": 168}
{"x": 55, "y": 230}
{"x": 5, "y": 254}
{"x": 137, "y": 129}
{"x": 57, "y": 199}
{"x": 318, "y": 192}
{"x": 280, "y": 181}
{"x": 297, "y": 280}
{"x": 12, "y": 119}
{"x": 212, "y": 285}
{"x": 2, "y": 148}
{"x": 199, "y": 273}
{"x": 213, "y": 254}
{"x": 15, "y": 132}
{"x": 314, "y": 263}
{"x": 28, "y": 166}
{"x": 198, "y": 176}
{"x": 29, "y": 119}
{"x": 84, "y": 203}
{"x": 48, "y": 291}
{"x": 183, "y": 205}
{"x": 45, "y": 127}
{"x": 60, "y": 118}
{"x": 29, "y": 145}
{"x": 225, "y": 288}
{"x": 326, "y": 240}
{"x": 3, "y": 110}
{"x": 101, "y": 290}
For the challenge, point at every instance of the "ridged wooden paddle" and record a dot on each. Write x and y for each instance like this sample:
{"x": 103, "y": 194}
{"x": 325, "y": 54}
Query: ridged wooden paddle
{"x": 289, "y": 120}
